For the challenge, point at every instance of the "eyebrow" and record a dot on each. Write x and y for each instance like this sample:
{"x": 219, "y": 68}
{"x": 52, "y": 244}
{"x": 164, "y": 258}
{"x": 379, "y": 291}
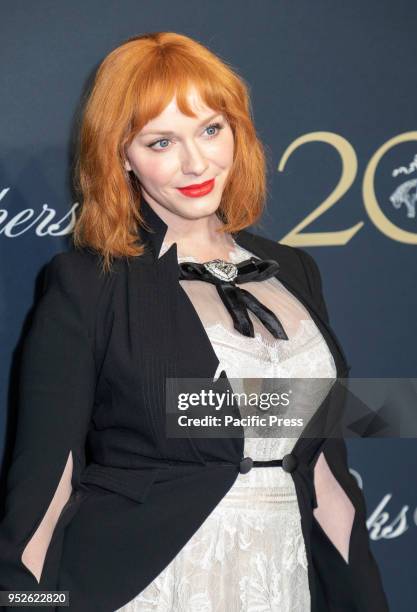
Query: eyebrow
{"x": 171, "y": 133}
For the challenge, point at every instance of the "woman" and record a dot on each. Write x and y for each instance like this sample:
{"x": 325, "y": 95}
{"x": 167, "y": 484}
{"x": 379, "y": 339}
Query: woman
{"x": 101, "y": 502}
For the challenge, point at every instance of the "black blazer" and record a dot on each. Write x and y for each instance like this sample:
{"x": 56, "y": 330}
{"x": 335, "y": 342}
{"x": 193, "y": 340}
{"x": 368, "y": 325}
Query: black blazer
{"x": 93, "y": 383}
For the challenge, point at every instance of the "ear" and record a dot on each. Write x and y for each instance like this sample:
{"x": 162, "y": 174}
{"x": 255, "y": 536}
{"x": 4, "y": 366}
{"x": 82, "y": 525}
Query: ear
{"x": 127, "y": 165}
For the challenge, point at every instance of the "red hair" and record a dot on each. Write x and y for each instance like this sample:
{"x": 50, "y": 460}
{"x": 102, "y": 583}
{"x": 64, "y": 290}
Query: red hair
{"x": 133, "y": 85}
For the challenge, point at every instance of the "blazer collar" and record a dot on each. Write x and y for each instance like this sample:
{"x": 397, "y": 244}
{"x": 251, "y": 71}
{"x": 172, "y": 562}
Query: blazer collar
{"x": 154, "y": 235}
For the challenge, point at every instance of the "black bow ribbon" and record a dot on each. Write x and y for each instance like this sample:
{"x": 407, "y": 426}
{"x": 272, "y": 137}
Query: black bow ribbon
{"x": 226, "y": 275}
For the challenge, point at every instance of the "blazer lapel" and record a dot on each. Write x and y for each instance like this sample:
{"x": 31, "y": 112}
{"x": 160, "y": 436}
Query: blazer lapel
{"x": 192, "y": 354}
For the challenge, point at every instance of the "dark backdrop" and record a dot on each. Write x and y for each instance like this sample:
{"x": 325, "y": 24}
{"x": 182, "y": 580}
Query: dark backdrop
{"x": 334, "y": 90}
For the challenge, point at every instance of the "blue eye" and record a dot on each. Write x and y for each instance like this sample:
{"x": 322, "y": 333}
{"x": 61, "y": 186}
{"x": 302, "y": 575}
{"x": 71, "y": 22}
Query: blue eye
{"x": 158, "y": 141}
{"x": 216, "y": 126}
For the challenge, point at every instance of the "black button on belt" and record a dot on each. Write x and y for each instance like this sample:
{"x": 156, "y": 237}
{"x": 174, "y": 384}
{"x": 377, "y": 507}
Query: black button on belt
{"x": 246, "y": 465}
{"x": 289, "y": 462}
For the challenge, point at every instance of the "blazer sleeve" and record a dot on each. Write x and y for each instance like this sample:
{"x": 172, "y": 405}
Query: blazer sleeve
{"x": 335, "y": 449}
{"x": 371, "y": 592}
{"x": 56, "y": 396}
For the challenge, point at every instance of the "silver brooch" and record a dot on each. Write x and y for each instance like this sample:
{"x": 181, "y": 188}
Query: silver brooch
{"x": 224, "y": 270}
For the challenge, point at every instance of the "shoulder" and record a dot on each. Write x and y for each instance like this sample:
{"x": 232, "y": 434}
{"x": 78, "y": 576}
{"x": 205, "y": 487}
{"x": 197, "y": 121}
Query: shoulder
{"x": 78, "y": 270}
{"x": 80, "y": 261}
{"x": 74, "y": 280}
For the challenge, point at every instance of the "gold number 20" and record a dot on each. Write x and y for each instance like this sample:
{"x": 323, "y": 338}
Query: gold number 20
{"x": 349, "y": 169}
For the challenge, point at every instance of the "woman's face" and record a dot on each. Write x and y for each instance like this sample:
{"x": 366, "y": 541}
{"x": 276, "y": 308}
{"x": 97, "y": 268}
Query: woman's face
{"x": 174, "y": 151}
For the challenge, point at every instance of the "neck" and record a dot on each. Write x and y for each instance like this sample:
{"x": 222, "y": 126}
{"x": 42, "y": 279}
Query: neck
{"x": 200, "y": 237}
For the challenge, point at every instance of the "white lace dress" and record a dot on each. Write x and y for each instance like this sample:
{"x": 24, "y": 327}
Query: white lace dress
{"x": 249, "y": 554}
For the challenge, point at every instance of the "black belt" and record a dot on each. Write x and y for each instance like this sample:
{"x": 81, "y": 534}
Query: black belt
{"x": 303, "y": 473}
{"x": 288, "y": 463}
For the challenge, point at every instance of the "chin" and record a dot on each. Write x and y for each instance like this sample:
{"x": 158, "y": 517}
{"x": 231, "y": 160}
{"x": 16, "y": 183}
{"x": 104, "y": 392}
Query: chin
{"x": 198, "y": 209}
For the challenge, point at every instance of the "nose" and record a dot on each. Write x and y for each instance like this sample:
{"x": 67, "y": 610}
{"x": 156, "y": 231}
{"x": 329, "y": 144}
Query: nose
{"x": 193, "y": 161}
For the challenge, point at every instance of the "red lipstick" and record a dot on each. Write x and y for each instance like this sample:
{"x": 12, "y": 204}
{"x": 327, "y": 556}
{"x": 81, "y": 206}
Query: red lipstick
{"x": 196, "y": 191}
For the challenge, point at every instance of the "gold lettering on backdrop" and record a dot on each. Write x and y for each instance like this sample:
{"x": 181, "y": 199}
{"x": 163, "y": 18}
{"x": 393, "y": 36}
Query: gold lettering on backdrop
{"x": 348, "y": 157}
{"x": 349, "y": 170}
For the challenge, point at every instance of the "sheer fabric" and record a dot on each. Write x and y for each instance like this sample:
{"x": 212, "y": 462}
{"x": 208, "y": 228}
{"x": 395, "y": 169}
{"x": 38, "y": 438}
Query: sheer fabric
{"x": 249, "y": 554}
